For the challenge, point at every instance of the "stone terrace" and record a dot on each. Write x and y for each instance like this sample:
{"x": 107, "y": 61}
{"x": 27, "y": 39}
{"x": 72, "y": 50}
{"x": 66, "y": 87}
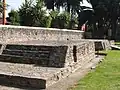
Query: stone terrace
{"x": 39, "y": 57}
{"x": 20, "y": 33}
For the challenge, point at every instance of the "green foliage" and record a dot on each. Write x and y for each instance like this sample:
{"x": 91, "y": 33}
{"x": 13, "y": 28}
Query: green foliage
{"x": 106, "y": 14}
{"x": 48, "y": 21}
{"x": 1, "y": 6}
{"x": 63, "y": 20}
{"x": 25, "y": 12}
{"x": 38, "y": 14}
{"x": 33, "y": 14}
{"x": 13, "y": 17}
{"x": 54, "y": 14}
{"x": 106, "y": 11}
{"x": 60, "y": 20}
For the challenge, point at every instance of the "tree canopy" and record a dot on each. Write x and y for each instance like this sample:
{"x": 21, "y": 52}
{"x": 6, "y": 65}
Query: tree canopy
{"x": 106, "y": 16}
{"x": 1, "y": 6}
{"x": 13, "y": 18}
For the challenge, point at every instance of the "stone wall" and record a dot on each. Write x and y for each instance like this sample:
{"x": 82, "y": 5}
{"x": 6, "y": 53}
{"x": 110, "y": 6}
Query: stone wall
{"x": 64, "y": 56}
{"x": 101, "y": 44}
{"x": 49, "y": 56}
{"x": 80, "y": 53}
{"x": 64, "y": 52}
{"x": 77, "y": 57}
{"x": 22, "y": 33}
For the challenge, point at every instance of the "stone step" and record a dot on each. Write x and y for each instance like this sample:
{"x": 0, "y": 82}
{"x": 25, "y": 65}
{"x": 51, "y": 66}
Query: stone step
{"x": 115, "y": 47}
{"x": 26, "y": 53}
{"x": 25, "y": 75}
{"x": 31, "y": 76}
{"x": 65, "y": 60}
{"x": 29, "y": 47}
{"x": 43, "y": 61}
{"x": 51, "y": 56}
{"x": 19, "y": 81}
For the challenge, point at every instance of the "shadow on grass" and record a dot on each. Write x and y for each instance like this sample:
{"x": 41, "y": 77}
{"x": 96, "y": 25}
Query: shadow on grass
{"x": 117, "y": 43}
{"x": 103, "y": 53}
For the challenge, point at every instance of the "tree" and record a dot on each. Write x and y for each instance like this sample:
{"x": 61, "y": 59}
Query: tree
{"x": 25, "y": 12}
{"x": 67, "y": 4}
{"x": 105, "y": 16}
{"x": 50, "y": 4}
{"x": 38, "y": 14}
{"x": 33, "y": 14}
{"x": 1, "y": 6}
{"x": 60, "y": 20}
{"x": 107, "y": 13}
{"x": 13, "y": 17}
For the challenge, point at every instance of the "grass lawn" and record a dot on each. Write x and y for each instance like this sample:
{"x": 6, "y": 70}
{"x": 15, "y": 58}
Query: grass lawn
{"x": 105, "y": 77}
{"x": 117, "y": 43}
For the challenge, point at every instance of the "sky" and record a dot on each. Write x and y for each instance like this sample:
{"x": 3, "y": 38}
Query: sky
{"x": 13, "y": 4}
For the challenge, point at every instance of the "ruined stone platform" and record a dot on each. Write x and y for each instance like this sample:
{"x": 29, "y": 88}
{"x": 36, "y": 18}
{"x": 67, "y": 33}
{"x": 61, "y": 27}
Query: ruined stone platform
{"x": 100, "y": 44}
{"x": 10, "y": 33}
{"x": 22, "y": 63}
{"x": 35, "y": 57}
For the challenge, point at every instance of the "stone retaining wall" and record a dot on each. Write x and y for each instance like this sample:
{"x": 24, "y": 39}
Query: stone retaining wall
{"x": 83, "y": 54}
{"x": 101, "y": 44}
{"x": 67, "y": 58}
{"x": 22, "y": 33}
{"x": 49, "y": 56}
{"x": 68, "y": 53}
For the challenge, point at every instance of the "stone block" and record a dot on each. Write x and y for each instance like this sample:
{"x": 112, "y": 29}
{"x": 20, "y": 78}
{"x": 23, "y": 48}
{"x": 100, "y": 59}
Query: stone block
{"x": 21, "y": 33}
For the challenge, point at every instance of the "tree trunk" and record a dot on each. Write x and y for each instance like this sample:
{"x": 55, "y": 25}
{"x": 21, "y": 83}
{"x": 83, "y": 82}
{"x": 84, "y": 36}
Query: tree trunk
{"x": 114, "y": 22}
{"x": 94, "y": 29}
{"x": 53, "y": 5}
{"x": 113, "y": 29}
{"x": 68, "y": 6}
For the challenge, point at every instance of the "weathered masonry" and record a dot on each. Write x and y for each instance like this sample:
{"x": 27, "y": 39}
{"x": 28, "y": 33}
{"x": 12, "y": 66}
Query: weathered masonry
{"x": 19, "y": 33}
{"x": 39, "y": 57}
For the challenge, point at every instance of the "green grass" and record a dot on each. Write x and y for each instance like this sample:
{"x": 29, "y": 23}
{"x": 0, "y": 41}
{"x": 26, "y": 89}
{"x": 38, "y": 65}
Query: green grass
{"x": 117, "y": 43}
{"x": 105, "y": 77}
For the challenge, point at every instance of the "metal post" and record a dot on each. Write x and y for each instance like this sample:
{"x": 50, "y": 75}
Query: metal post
{"x": 4, "y": 13}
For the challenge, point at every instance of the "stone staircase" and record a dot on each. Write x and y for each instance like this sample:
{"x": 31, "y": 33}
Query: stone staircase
{"x": 39, "y": 66}
{"x": 26, "y": 54}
